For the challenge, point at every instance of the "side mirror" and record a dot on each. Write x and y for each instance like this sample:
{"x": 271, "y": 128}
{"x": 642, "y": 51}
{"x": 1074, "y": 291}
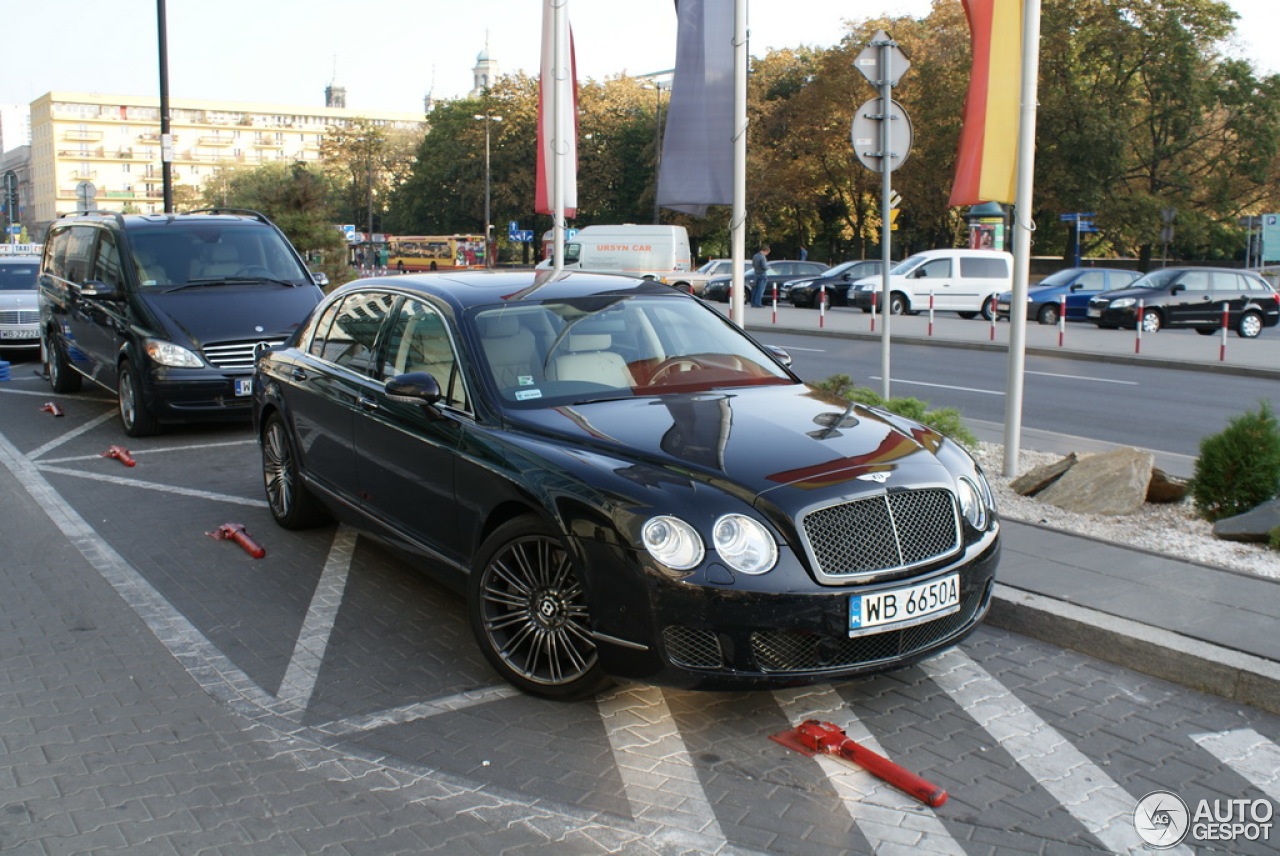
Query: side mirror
{"x": 413, "y": 388}
{"x": 1177, "y": 288}
{"x": 779, "y": 355}
{"x": 1076, "y": 286}
{"x": 100, "y": 290}
{"x": 320, "y": 278}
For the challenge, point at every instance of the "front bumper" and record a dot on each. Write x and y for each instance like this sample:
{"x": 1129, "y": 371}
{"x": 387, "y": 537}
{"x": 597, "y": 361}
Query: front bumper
{"x": 708, "y": 637}
{"x": 198, "y": 395}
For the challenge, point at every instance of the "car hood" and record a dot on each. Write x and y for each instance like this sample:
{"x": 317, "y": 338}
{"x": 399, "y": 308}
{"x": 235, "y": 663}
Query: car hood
{"x": 780, "y": 440}
{"x": 232, "y": 312}
{"x": 1135, "y": 293}
{"x": 18, "y": 300}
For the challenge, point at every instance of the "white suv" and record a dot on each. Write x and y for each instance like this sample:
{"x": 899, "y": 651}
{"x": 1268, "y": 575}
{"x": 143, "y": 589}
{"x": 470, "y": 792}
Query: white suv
{"x": 963, "y": 281}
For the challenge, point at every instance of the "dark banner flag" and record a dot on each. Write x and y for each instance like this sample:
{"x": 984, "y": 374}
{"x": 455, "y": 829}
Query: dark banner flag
{"x": 697, "y": 151}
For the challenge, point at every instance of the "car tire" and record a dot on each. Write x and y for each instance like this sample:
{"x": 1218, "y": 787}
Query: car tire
{"x": 292, "y": 504}
{"x": 988, "y": 310}
{"x": 898, "y": 304}
{"x": 137, "y": 420}
{"x": 62, "y": 377}
{"x": 1249, "y": 326}
{"x": 528, "y": 612}
{"x": 967, "y": 315}
{"x": 1151, "y": 321}
{"x": 1207, "y": 331}
{"x": 1048, "y": 314}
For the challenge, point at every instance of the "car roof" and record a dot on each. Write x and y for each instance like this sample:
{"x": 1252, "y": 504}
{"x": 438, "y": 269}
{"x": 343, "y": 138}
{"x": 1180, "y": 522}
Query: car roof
{"x": 19, "y": 260}
{"x": 464, "y": 289}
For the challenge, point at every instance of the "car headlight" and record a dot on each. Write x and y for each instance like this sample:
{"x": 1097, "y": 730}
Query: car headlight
{"x": 169, "y": 354}
{"x": 744, "y": 544}
{"x": 975, "y": 503}
{"x": 804, "y": 283}
{"x": 1122, "y": 302}
{"x": 673, "y": 542}
{"x": 867, "y": 287}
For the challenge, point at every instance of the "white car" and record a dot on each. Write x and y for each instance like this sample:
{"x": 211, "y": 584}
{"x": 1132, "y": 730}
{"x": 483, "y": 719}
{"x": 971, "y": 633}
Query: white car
{"x": 19, "y": 312}
{"x": 714, "y": 268}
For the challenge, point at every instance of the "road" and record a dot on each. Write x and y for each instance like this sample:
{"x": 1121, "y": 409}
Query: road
{"x": 1155, "y": 408}
{"x": 345, "y": 708}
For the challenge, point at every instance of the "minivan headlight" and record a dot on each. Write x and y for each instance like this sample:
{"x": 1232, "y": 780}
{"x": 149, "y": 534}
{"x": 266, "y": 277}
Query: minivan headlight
{"x": 169, "y": 354}
{"x": 673, "y": 542}
{"x": 744, "y": 544}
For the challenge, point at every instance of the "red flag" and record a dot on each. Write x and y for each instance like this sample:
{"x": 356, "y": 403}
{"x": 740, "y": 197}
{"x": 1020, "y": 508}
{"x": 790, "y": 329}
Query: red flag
{"x": 566, "y": 90}
{"x": 987, "y": 161}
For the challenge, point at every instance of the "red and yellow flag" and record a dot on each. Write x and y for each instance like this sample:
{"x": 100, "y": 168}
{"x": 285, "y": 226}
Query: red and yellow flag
{"x": 987, "y": 161}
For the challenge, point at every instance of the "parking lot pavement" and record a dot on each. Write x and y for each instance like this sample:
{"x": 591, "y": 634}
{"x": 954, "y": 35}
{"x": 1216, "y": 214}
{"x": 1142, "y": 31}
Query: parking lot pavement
{"x": 167, "y": 693}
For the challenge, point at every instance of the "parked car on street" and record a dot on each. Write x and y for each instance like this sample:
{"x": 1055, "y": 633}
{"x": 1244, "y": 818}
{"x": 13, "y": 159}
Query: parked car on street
{"x": 779, "y": 272}
{"x": 956, "y": 280}
{"x": 1192, "y": 297}
{"x": 836, "y": 281}
{"x": 623, "y": 483}
{"x": 712, "y": 269}
{"x": 19, "y": 314}
{"x": 165, "y": 310}
{"x": 1077, "y": 285}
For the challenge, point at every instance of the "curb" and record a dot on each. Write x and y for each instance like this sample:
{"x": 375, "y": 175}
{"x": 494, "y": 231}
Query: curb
{"x": 1153, "y": 651}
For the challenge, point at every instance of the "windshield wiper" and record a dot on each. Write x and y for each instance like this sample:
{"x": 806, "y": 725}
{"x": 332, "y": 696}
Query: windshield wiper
{"x": 229, "y": 280}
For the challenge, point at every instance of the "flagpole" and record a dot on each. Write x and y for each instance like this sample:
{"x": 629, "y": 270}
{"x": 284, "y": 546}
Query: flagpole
{"x": 1023, "y": 226}
{"x": 738, "y": 222}
{"x": 559, "y": 143}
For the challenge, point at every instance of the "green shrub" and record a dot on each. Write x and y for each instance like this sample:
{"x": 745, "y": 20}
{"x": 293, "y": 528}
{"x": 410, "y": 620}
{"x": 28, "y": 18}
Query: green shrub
{"x": 946, "y": 420}
{"x": 1239, "y": 468}
{"x": 1273, "y": 539}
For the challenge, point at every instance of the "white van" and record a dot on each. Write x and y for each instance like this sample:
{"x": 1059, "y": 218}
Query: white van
{"x": 963, "y": 281}
{"x": 657, "y": 252}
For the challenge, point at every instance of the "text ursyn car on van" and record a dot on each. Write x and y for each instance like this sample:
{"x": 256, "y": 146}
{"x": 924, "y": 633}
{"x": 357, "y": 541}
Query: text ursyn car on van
{"x": 166, "y": 311}
{"x": 963, "y": 281}
{"x": 631, "y": 249}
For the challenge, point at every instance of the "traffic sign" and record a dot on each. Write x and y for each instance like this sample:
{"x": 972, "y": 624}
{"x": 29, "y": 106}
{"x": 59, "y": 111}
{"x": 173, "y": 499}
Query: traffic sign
{"x": 865, "y": 135}
{"x": 873, "y": 57}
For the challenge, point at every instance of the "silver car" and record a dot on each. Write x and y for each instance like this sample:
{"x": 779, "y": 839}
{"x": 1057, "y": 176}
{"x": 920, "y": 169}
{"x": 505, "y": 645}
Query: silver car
{"x": 19, "y": 315}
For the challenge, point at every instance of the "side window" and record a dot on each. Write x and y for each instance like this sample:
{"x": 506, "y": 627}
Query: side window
{"x": 1229, "y": 283}
{"x": 107, "y": 268}
{"x": 1196, "y": 280}
{"x": 354, "y": 334}
{"x": 56, "y": 254}
{"x": 935, "y": 268}
{"x": 983, "y": 268}
{"x": 320, "y": 330}
{"x": 1092, "y": 281}
{"x": 419, "y": 342}
{"x": 1121, "y": 280}
{"x": 79, "y": 261}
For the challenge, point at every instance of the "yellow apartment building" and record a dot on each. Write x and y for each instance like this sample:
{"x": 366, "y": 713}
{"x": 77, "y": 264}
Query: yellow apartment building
{"x": 108, "y": 146}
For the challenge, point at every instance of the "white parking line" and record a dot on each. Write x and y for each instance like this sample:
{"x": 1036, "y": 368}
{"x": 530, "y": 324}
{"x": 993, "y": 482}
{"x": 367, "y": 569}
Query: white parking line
{"x": 156, "y": 487}
{"x": 71, "y": 435}
{"x": 1252, "y": 756}
{"x": 299, "y": 680}
{"x": 890, "y": 820}
{"x": 1082, "y": 788}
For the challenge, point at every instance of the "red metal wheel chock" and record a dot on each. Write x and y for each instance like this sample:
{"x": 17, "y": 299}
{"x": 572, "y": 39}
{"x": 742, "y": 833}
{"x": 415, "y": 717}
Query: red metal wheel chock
{"x": 121, "y": 454}
{"x": 52, "y": 408}
{"x": 811, "y": 737}
{"x": 236, "y": 532}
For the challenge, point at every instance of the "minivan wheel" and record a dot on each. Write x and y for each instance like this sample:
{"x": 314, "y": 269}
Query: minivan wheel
{"x": 1048, "y": 314}
{"x": 62, "y": 377}
{"x": 138, "y": 421}
{"x": 1150, "y": 321}
{"x": 988, "y": 309}
{"x": 1250, "y": 325}
{"x": 898, "y": 304}
{"x": 528, "y": 612}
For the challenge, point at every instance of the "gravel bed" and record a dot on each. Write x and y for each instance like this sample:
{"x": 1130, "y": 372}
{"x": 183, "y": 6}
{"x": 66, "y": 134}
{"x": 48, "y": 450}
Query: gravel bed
{"x": 1172, "y": 528}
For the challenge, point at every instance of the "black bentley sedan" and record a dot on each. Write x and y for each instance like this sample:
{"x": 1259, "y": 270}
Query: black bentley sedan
{"x": 623, "y": 483}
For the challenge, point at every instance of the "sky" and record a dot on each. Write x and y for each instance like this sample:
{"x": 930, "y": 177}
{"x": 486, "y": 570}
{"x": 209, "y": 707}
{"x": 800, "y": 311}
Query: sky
{"x": 389, "y": 53}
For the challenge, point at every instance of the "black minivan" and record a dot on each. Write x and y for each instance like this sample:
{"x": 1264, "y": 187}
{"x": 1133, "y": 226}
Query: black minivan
{"x": 166, "y": 311}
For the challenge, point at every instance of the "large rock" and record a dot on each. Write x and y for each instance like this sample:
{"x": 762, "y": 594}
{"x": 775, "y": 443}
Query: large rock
{"x": 1254, "y": 525}
{"x": 1112, "y": 483}
{"x": 1033, "y": 481}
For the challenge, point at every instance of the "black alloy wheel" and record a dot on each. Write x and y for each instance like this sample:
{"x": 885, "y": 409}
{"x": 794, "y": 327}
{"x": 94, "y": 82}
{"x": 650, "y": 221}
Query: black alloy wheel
{"x": 292, "y": 505}
{"x": 529, "y": 613}
{"x": 62, "y": 377}
{"x": 138, "y": 421}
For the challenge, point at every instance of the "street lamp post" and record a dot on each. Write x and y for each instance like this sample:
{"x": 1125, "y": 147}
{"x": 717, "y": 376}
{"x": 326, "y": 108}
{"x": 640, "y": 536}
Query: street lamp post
{"x": 657, "y": 88}
{"x": 488, "y": 243}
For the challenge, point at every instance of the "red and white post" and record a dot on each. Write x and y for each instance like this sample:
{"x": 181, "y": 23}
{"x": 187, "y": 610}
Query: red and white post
{"x": 775, "y": 303}
{"x": 873, "y": 311}
{"x": 1137, "y": 342}
{"x": 1222, "y": 349}
{"x": 822, "y": 306}
{"x": 1062, "y": 319}
{"x": 930, "y": 313}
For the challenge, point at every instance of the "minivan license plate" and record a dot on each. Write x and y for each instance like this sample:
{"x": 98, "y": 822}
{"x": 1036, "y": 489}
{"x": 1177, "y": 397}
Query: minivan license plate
{"x": 903, "y": 607}
{"x": 244, "y": 386}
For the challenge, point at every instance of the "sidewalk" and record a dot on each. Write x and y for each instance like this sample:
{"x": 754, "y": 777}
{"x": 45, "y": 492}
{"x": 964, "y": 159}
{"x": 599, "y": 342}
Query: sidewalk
{"x": 1203, "y": 627}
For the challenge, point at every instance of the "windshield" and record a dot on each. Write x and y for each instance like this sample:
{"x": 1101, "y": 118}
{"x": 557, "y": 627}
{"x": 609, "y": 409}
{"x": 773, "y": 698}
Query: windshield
{"x": 1156, "y": 279}
{"x": 1061, "y": 277}
{"x": 906, "y": 265}
{"x": 19, "y": 276}
{"x": 838, "y": 269}
{"x": 615, "y": 346}
{"x": 175, "y": 253}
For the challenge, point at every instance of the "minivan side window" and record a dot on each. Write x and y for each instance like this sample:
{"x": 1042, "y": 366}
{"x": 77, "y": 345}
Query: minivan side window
{"x": 977, "y": 267}
{"x": 937, "y": 268}
{"x": 107, "y": 269}
{"x": 79, "y": 262}
{"x": 57, "y": 253}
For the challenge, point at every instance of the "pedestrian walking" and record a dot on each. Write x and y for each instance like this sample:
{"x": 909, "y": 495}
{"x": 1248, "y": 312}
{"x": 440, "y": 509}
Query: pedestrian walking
{"x": 759, "y": 266}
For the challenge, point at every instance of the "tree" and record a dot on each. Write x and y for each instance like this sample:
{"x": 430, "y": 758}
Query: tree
{"x": 369, "y": 160}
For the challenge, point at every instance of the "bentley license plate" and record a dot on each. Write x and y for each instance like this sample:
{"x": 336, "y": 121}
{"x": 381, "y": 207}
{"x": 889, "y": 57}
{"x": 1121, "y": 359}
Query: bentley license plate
{"x": 903, "y": 607}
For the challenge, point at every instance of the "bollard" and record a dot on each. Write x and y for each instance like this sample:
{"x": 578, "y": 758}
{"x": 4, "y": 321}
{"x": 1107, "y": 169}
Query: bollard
{"x": 236, "y": 532}
{"x": 873, "y": 311}
{"x": 1137, "y": 343}
{"x": 121, "y": 454}
{"x": 1062, "y": 319}
{"x": 775, "y": 303}
{"x": 993, "y": 321}
{"x": 930, "y": 313}
{"x": 1222, "y": 349}
{"x": 50, "y": 407}
{"x": 822, "y": 306}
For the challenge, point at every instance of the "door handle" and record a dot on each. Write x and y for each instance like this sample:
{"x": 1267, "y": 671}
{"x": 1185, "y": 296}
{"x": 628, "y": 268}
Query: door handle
{"x": 367, "y": 404}
{"x": 298, "y": 373}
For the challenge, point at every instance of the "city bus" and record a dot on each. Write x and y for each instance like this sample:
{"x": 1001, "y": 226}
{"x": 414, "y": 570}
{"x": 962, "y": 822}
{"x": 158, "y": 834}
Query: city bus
{"x": 434, "y": 252}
